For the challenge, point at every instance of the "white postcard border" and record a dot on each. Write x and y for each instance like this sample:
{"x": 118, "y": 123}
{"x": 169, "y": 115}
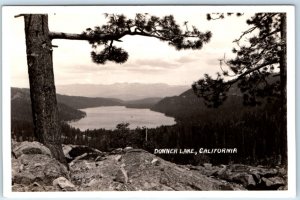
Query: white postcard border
{"x": 291, "y": 192}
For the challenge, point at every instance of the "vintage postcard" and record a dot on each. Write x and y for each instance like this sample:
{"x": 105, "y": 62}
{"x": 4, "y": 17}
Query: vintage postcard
{"x": 133, "y": 101}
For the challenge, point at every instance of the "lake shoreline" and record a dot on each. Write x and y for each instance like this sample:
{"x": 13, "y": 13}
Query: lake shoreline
{"x": 107, "y": 117}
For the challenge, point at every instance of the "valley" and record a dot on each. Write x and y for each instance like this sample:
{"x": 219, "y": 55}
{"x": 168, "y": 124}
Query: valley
{"x": 233, "y": 125}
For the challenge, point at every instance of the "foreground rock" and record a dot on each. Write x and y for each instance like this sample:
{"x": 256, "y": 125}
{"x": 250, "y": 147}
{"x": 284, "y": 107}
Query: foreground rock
{"x": 139, "y": 170}
{"x": 252, "y": 178}
{"x": 64, "y": 184}
{"x": 39, "y": 168}
{"x": 30, "y": 148}
{"x": 34, "y": 169}
{"x": 129, "y": 169}
{"x": 75, "y": 151}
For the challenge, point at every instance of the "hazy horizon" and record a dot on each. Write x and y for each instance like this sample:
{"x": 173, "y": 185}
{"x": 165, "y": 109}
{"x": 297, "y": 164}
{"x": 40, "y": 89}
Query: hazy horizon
{"x": 116, "y": 83}
{"x": 122, "y": 91}
{"x": 150, "y": 60}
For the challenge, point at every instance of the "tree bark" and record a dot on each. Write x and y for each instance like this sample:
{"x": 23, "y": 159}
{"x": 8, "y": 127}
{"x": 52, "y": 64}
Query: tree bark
{"x": 42, "y": 87}
{"x": 283, "y": 82}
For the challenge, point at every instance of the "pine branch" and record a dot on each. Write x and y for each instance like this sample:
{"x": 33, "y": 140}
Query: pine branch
{"x": 114, "y": 37}
{"x": 250, "y": 30}
{"x": 249, "y": 71}
{"x": 74, "y": 36}
{"x": 227, "y": 85}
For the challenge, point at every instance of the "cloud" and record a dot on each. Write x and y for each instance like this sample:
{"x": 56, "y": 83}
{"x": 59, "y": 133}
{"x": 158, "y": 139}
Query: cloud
{"x": 161, "y": 63}
{"x": 81, "y": 69}
{"x": 150, "y": 60}
{"x": 187, "y": 59}
{"x": 147, "y": 70}
{"x": 212, "y": 61}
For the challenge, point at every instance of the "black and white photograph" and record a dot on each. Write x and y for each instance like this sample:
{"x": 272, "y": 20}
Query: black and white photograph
{"x": 149, "y": 98}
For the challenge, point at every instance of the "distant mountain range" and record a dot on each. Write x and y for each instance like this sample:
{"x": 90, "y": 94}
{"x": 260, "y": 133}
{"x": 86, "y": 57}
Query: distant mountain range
{"x": 185, "y": 107}
{"x": 123, "y": 91}
{"x": 68, "y": 105}
{"x": 179, "y": 102}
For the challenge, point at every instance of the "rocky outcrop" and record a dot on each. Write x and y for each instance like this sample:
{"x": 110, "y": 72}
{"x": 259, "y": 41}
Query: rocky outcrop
{"x": 139, "y": 170}
{"x": 130, "y": 169}
{"x": 39, "y": 168}
{"x": 252, "y": 178}
{"x": 64, "y": 184}
{"x": 29, "y": 148}
{"x": 75, "y": 151}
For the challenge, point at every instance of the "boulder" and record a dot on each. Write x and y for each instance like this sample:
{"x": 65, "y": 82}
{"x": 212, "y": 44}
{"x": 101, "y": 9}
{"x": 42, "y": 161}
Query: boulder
{"x": 30, "y": 148}
{"x": 117, "y": 151}
{"x": 256, "y": 176}
{"x": 39, "y": 168}
{"x": 245, "y": 179}
{"x": 250, "y": 177}
{"x": 66, "y": 150}
{"x": 144, "y": 175}
{"x": 284, "y": 187}
{"x": 64, "y": 184}
{"x": 74, "y": 151}
{"x": 14, "y": 143}
{"x": 273, "y": 183}
{"x": 155, "y": 161}
{"x": 207, "y": 165}
{"x": 95, "y": 176}
{"x": 127, "y": 148}
{"x": 282, "y": 171}
{"x": 137, "y": 170}
{"x": 100, "y": 158}
{"x": 118, "y": 158}
{"x": 93, "y": 182}
{"x": 221, "y": 170}
{"x": 18, "y": 188}
{"x": 239, "y": 168}
{"x": 209, "y": 171}
{"x": 121, "y": 176}
{"x": 277, "y": 180}
{"x": 263, "y": 172}
{"x": 34, "y": 187}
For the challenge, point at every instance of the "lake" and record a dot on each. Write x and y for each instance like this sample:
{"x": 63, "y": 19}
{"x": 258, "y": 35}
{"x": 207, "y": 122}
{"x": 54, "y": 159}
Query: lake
{"x": 109, "y": 116}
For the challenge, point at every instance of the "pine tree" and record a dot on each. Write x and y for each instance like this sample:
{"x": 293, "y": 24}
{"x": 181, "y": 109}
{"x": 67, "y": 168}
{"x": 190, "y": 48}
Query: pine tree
{"x": 258, "y": 69}
{"x": 40, "y": 64}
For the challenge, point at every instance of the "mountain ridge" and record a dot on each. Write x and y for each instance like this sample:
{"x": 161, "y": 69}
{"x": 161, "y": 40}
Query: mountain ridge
{"x": 69, "y": 105}
{"x": 122, "y": 91}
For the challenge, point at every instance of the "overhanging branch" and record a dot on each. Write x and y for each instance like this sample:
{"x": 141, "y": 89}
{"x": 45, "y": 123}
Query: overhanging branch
{"x": 74, "y": 36}
{"x": 115, "y": 37}
{"x": 245, "y": 33}
{"x": 248, "y": 72}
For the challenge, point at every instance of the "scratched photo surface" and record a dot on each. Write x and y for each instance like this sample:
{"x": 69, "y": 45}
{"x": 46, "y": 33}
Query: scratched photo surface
{"x": 137, "y": 98}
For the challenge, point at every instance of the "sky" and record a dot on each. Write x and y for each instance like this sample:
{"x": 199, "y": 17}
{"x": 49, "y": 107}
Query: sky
{"x": 150, "y": 60}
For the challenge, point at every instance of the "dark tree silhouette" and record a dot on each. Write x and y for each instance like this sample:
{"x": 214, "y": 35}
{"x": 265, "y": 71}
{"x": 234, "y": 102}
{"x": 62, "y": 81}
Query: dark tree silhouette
{"x": 259, "y": 68}
{"x": 123, "y": 127}
{"x": 40, "y": 64}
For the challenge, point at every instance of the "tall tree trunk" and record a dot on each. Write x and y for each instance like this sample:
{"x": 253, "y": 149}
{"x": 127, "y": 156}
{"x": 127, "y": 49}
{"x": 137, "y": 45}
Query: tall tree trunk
{"x": 283, "y": 82}
{"x": 42, "y": 87}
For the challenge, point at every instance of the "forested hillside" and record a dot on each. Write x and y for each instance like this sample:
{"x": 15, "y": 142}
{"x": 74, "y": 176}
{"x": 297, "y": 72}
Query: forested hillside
{"x": 188, "y": 106}
{"x": 21, "y": 107}
{"x": 142, "y": 103}
{"x": 249, "y": 129}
